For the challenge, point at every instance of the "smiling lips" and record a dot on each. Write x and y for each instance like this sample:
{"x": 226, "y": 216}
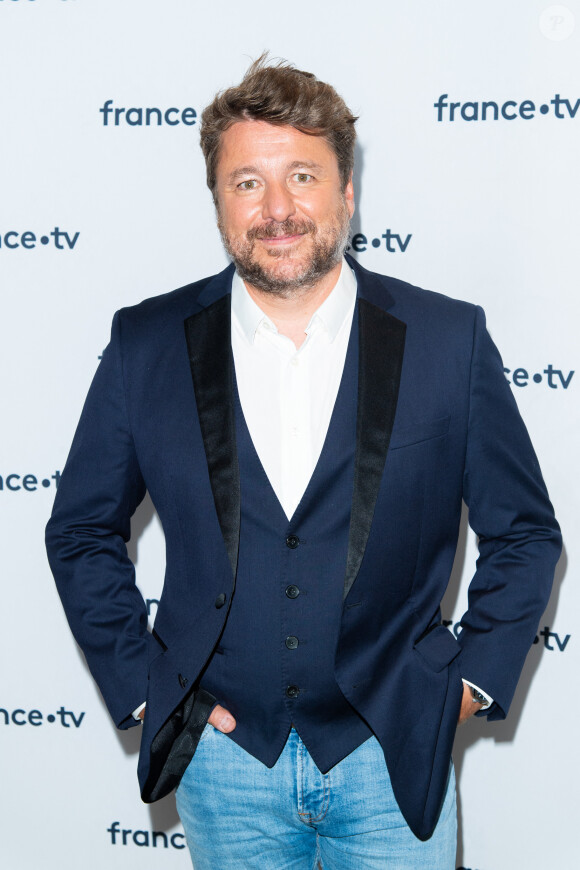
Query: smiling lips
{"x": 281, "y": 240}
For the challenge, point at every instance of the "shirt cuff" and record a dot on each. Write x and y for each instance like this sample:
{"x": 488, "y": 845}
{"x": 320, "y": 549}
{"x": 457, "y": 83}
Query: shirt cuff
{"x": 487, "y": 697}
{"x": 137, "y": 711}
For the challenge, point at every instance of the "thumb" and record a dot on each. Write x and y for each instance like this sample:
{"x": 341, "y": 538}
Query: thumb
{"x": 222, "y": 719}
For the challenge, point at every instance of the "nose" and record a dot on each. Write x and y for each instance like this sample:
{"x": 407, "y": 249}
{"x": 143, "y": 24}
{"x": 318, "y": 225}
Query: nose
{"x": 277, "y": 202}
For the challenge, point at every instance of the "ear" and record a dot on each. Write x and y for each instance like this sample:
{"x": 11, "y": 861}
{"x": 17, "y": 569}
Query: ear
{"x": 349, "y": 196}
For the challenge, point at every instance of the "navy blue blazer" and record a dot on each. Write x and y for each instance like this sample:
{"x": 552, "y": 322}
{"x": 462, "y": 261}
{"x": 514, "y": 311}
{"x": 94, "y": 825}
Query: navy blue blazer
{"x": 436, "y": 423}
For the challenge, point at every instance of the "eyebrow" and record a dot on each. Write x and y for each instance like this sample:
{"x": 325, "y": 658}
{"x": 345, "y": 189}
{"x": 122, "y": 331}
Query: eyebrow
{"x": 244, "y": 171}
{"x": 241, "y": 172}
{"x": 307, "y": 164}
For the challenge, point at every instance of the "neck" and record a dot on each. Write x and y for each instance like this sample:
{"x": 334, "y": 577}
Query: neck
{"x": 291, "y": 315}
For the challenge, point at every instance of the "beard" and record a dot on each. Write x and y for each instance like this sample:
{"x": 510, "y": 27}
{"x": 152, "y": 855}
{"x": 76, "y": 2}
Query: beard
{"x": 289, "y": 272}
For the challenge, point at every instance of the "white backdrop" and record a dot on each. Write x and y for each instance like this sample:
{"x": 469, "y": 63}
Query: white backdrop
{"x": 95, "y": 216}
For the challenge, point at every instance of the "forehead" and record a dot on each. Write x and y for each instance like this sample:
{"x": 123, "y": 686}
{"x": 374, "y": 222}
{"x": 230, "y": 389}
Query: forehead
{"x": 261, "y": 144}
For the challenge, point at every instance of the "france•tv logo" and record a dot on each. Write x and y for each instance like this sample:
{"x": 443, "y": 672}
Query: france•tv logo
{"x": 56, "y": 238}
{"x": 552, "y": 641}
{"x": 21, "y": 717}
{"x": 554, "y": 378}
{"x": 147, "y": 839}
{"x": 136, "y": 116}
{"x": 27, "y": 482}
{"x": 509, "y": 110}
{"x": 392, "y": 242}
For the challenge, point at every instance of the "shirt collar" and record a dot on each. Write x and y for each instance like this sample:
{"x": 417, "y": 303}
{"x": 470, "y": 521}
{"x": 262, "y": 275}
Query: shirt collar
{"x": 331, "y": 314}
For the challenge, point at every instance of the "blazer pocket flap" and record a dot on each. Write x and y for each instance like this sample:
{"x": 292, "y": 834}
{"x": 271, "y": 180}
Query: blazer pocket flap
{"x": 417, "y": 432}
{"x": 438, "y": 647}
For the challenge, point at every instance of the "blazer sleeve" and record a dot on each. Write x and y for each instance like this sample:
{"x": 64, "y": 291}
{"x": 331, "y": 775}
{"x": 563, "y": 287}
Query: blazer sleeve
{"x": 519, "y": 538}
{"x": 100, "y": 488}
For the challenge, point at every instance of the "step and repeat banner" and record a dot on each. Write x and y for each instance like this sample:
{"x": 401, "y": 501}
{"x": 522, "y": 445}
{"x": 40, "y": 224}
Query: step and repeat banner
{"x": 467, "y": 183}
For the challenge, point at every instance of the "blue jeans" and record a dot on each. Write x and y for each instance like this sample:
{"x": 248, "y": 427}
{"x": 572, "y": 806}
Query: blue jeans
{"x": 240, "y": 815}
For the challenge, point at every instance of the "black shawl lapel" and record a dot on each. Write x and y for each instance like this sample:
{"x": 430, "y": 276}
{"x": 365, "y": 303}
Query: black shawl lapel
{"x": 208, "y": 336}
{"x": 381, "y": 346}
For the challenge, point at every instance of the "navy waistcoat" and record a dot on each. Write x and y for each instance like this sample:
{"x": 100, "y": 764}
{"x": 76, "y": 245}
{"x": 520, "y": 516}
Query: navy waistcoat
{"x": 274, "y": 666}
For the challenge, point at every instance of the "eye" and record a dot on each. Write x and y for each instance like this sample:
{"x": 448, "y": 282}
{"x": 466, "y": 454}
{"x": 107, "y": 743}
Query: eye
{"x": 303, "y": 177}
{"x": 250, "y": 184}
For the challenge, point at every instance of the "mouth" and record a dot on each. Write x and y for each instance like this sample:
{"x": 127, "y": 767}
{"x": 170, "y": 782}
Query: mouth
{"x": 287, "y": 239}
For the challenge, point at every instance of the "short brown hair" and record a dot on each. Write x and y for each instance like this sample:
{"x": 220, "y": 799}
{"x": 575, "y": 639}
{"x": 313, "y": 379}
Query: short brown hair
{"x": 280, "y": 94}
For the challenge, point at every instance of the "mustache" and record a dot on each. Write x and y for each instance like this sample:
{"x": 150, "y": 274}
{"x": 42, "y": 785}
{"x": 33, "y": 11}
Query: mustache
{"x": 277, "y": 229}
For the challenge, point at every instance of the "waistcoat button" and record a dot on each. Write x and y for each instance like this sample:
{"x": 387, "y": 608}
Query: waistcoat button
{"x": 220, "y": 600}
{"x": 292, "y": 541}
{"x": 292, "y": 591}
{"x": 291, "y": 642}
{"x": 292, "y": 691}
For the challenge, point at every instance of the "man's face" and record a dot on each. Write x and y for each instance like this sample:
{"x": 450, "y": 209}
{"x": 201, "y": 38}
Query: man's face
{"x": 282, "y": 213}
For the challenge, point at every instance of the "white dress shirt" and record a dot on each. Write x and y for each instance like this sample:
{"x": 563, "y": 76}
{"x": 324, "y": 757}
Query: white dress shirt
{"x": 287, "y": 395}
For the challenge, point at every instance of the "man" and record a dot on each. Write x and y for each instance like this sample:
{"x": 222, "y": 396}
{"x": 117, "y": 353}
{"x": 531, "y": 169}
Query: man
{"x": 307, "y": 431}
